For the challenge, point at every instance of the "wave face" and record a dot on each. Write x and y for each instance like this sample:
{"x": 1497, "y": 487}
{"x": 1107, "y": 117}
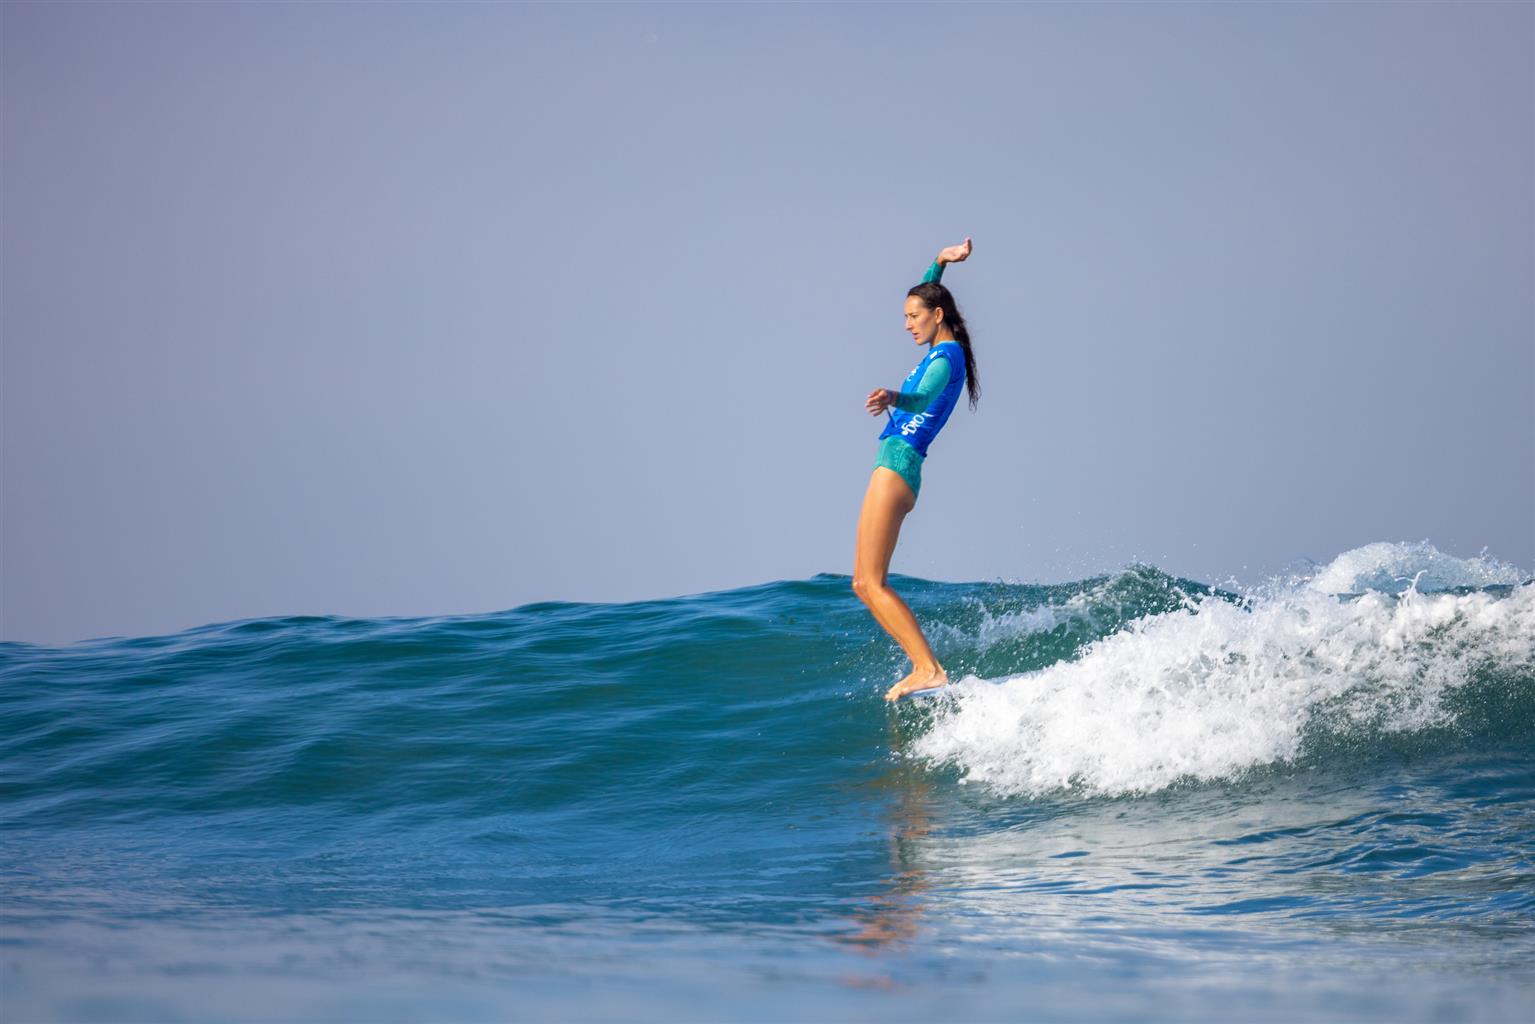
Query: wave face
{"x": 1276, "y": 795}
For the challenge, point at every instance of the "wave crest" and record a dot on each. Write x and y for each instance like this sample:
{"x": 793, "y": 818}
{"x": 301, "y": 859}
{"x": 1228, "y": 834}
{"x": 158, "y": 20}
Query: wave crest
{"x": 1394, "y": 568}
{"x": 1221, "y": 687}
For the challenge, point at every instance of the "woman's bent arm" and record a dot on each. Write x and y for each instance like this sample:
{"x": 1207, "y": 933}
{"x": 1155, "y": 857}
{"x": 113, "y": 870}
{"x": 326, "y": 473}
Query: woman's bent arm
{"x": 934, "y": 380}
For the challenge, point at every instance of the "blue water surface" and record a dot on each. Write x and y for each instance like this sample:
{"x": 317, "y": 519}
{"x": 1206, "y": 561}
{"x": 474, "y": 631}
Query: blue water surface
{"x": 702, "y": 809}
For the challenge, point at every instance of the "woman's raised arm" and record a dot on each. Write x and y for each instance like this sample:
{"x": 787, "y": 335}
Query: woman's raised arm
{"x": 950, "y": 254}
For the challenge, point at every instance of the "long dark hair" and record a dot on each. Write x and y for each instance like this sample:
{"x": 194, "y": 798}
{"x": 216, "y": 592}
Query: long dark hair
{"x": 936, "y": 296}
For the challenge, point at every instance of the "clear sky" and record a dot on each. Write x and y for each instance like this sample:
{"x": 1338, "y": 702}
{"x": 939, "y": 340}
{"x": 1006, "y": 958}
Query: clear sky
{"x": 412, "y": 309}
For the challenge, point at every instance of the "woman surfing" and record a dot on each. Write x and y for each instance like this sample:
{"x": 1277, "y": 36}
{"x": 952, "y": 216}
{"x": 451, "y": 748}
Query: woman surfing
{"x": 917, "y": 412}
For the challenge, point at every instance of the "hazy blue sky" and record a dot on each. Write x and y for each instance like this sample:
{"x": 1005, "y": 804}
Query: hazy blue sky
{"x": 396, "y": 309}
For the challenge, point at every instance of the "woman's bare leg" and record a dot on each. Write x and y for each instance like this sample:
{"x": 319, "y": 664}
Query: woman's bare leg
{"x": 885, "y": 505}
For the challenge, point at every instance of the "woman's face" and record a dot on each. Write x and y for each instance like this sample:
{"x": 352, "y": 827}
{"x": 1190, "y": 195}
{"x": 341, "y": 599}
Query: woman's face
{"x": 921, "y": 322}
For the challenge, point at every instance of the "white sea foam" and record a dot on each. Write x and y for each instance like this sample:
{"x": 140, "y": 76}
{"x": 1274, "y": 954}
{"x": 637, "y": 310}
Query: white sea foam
{"x": 1394, "y": 568}
{"x": 1212, "y": 691}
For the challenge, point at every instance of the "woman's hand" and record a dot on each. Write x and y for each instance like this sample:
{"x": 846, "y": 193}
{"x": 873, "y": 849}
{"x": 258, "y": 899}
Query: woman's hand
{"x": 879, "y": 400}
{"x": 955, "y": 253}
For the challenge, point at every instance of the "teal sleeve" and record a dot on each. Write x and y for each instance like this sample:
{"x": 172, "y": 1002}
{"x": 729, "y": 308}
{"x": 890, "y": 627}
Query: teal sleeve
{"x": 934, "y": 379}
{"x": 934, "y": 273}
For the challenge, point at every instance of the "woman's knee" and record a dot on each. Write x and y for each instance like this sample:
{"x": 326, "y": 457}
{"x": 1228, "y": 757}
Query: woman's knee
{"x": 866, "y": 587}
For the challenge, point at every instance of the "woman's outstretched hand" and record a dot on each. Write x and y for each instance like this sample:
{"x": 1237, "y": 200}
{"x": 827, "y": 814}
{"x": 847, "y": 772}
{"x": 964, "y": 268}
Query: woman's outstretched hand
{"x": 955, "y": 253}
{"x": 878, "y": 401}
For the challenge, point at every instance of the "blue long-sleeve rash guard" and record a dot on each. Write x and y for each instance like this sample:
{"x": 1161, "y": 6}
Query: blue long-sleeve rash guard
{"x": 930, "y": 390}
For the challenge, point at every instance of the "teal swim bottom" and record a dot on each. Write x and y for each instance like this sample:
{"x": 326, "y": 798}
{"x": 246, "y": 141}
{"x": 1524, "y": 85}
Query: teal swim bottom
{"x": 896, "y": 454}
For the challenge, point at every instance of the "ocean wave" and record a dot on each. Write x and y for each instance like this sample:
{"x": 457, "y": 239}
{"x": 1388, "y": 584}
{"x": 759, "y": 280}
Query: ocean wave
{"x": 1219, "y": 687}
{"x": 1125, "y": 683}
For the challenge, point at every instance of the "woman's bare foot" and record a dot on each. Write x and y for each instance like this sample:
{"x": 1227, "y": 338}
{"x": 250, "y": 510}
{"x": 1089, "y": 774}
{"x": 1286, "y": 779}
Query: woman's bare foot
{"x": 928, "y": 678}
